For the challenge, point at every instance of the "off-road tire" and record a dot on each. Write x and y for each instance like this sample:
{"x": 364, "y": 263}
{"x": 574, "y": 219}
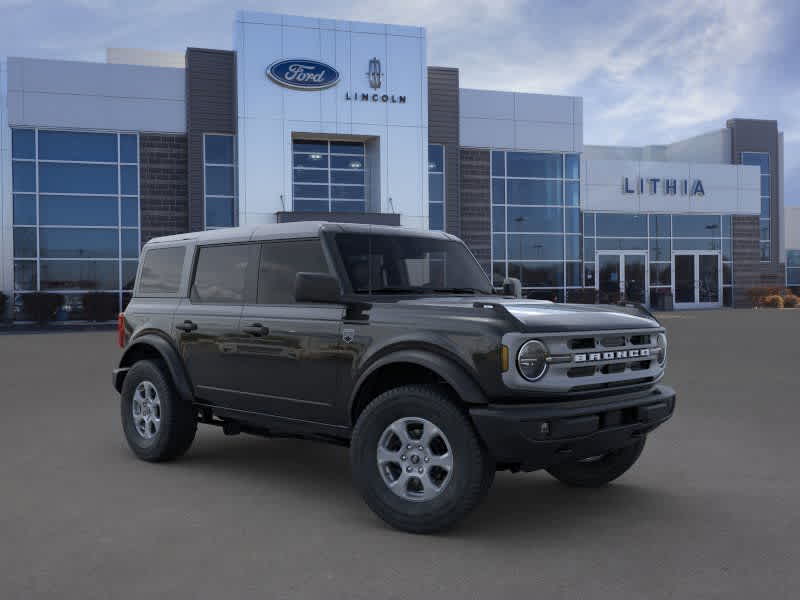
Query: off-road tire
{"x": 177, "y": 420}
{"x": 599, "y": 472}
{"x": 472, "y": 473}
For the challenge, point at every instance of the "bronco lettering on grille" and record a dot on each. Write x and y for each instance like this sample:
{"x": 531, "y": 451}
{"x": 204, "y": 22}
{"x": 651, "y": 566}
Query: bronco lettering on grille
{"x": 616, "y": 355}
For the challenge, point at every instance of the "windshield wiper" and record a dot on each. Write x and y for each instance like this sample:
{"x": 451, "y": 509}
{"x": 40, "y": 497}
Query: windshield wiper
{"x": 458, "y": 290}
{"x": 390, "y": 290}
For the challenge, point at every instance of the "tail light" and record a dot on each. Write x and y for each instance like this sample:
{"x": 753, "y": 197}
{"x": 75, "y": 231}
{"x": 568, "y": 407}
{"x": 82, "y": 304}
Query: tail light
{"x": 121, "y": 330}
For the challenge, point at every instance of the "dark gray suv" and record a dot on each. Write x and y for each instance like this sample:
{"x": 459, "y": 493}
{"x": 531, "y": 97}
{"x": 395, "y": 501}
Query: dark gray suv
{"x": 391, "y": 342}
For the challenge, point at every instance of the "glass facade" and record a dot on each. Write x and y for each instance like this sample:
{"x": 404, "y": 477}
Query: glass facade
{"x": 436, "y": 186}
{"x": 761, "y": 160}
{"x": 793, "y": 268}
{"x": 219, "y": 168}
{"x": 536, "y": 221}
{"x": 75, "y": 215}
{"x": 328, "y": 176}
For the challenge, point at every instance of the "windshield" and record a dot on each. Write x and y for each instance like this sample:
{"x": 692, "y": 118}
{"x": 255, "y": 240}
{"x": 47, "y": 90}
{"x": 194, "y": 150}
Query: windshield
{"x": 386, "y": 264}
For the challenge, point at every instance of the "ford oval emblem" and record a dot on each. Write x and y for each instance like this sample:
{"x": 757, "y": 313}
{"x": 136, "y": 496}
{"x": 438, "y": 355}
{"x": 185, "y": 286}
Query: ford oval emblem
{"x": 303, "y": 74}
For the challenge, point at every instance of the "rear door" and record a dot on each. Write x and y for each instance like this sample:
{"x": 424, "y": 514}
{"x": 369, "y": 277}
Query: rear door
{"x": 207, "y": 322}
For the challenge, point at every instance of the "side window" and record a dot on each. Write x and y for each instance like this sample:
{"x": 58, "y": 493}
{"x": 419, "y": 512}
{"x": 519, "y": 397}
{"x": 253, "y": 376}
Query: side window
{"x": 161, "y": 271}
{"x": 219, "y": 277}
{"x": 280, "y": 263}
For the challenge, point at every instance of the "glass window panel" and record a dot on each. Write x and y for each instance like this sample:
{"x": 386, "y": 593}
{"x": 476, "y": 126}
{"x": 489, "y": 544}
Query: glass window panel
{"x": 543, "y": 274}
{"x": 161, "y": 271}
{"x": 498, "y": 273}
{"x": 727, "y": 226}
{"x": 279, "y": 265}
{"x": 763, "y": 229}
{"x": 436, "y": 187}
{"x": 311, "y": 175}
{"x": 661, "y": 274}
{"x": 727, "y": 249}
{"x": 572, "y": 190}
{"x": 660, "y": 226}
{"x": 77, "y": 179}
{"x": 727, "y": 273}
{"x": 25, "y": 275}
{"x": 347, "y": 192}
{"x": 129, "y": 180}
{"x": 572, "y": 220}
{"x": 310, "y": 146}
{"x": 588, "y": 249}
{"x": 695, "y": 244}
{"x": 573, "y": 274}
{"x": 498, "y": 218}
{"x": 522, "y": 191}
{"x": 532, "y": 164}
{"x": 622, "y": 225}
{"x": 498, "y": 191}
{"x": 588, "y": 274}
{"x": 219, "y": 212}
{"x": 219, "y": 181}
{"x": 621, "y": 243}
{"x": 436, "y": 216}
{"x": 25, "y": 242}
{"x": 348, "y": 206}
{"x": 535, "y": 219}
{"x": 78, "y": 243}
{"x": 24, "y": 209}
{"x": 793, "y": 258}
{"x": 727, "y": 297}
{"x": 759, "y": 159}
{"x": 311, "y": 205}
{"x": 346, "y": 162}
{"x": 499, "y": 247}
{"x": 219, "y": 149}
{"x": 316, "y": 161}
{"x": 766, "y": 251}
{"x": 129, "y": 273}
{"x": 79, "y": 275}
{"x": 660, "y": 249}
{"x": 435, "y": 158}
{"x": 765, "y": 185}
{"x": 130, "y": 212}
{"x": 310, "y": 191}
{"x": 535, "y": 247}
{"x": 220, "y": 274}
{"x": 23, "y": 143}
{"x": 498, "y": 163}
{"x": 23, "y": 176}
{"x": 556, "y": 295}
{"x": 130, "y": 243}
{"x": 572, "y": 246}
{"x": 588, "y": 224}
{"x": 78, "y": 146}
{"x": 765, "y": 208}
{"x": 793, "y": 277}
{"x": 77, "y": 210}
{"x": 347, "y": 148}
{"x": 573, "y": 166}
{"x": 128, "y": 148}
{"x": 696, "y": 225}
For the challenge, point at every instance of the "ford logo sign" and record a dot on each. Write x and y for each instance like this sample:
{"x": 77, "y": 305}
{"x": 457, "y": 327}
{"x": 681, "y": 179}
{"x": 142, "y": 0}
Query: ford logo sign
{"x": 303, "y": 74}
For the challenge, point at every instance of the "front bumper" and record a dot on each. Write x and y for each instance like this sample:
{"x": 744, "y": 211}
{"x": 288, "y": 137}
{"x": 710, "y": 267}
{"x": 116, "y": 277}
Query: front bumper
{"x": 535, "y": 436}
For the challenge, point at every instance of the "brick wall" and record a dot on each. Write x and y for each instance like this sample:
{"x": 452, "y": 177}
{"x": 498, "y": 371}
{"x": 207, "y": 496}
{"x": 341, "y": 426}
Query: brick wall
{"x": 163, "y": 185}
{"x": 443, "y": 128}
{"x": 476, "y": 218}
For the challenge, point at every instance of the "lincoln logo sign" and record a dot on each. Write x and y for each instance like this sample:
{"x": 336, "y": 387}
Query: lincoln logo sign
{"x": 668, "y": 186}
{"x": 302, "y": 74}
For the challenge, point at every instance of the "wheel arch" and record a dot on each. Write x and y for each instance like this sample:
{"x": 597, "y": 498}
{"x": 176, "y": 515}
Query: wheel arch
{"x": 151, "y": 346}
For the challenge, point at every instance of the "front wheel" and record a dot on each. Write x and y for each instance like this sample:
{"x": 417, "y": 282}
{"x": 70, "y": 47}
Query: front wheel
{"x": 598, "y": 470}
{"x": 418, "y": 461}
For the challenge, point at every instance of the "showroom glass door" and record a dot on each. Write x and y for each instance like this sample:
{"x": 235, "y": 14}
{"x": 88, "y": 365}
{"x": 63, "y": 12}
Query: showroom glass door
{"x": 622, "y": 276}
{"x": 697, "y": 279}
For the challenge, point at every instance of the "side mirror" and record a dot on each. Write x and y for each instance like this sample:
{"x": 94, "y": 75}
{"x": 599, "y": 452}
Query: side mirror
{"x": 317, "y": 287}
{"x": 512, "y": 287}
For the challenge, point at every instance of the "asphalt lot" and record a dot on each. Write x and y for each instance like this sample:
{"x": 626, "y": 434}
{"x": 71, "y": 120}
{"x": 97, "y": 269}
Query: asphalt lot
{"x": 712, "y": 509}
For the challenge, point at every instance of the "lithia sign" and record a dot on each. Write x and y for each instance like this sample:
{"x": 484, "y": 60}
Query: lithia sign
{"x": 307, "y": 74}
{"x": 667, "y": 186}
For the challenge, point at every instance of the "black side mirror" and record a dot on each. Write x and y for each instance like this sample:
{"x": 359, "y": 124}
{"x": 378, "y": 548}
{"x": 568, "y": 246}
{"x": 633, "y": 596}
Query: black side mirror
{"x": 317, "y": 287}
{"x": 512, "y": 287}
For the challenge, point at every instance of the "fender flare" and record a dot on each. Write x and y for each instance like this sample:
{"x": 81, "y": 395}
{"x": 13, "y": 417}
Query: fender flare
{"x": 448, "y": 369}
{"x": 167, "y": 353}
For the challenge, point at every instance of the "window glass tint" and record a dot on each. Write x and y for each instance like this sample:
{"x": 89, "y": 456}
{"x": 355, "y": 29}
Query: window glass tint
{"x": 533, "y": 274}
{"x": 436, "y": 216}
{"x": 25, "y": 275}
{"x": 535, "y": 220}
{"x": 24, "y": 209}
{"x": 498, "y": 164}
{"x": 435, "y": 158}
{"x": 660, "y": 226}
{"x": 219, "y": 212}
{"x": 695, "y": 244}
{"x": 531, "y": 191}
{"x": 23, "y": 176}
{"x": 129, "y": 274}
{"x": 128, "y": 149}
{"x": 660, "y": 249}
{"x": 572, "y": 246}
{"x": 572, "y": 220}
{"x": 436, "y": 182}
{"x": 793, "y": 258}
{"x": 535, "y": 247}
{"x": 347, "y": 148}
{"x": 73, "y": 145}
{"x": 588, "y": 249}
{"x": 573, "y": 274}
{"x": 588, "y": 224}
{"x": 77, "y": 179}
{"x": 498, "y": 191}
{"x": 696, "y": 225}
{"x": 351, "y": 192}
{"x": 220, "y": 274}
{"x": 130, "y": 243}
{"x": 353, "y": 177}
{"x": 279, "y": 265}
{"x": 529, "y": 164}
{"x": 759, "y": 159}
{"x": 310, "y": 146}
{"x": 621, "y": 243}
{"x": 129, "y": 184}
{"x": 23, "y": 144}
{"x": 499, "y": 247}
{"x": 79, "y": 275}
{"x": 130, "y": 212}
{"x": 573, "y": 166}
{"x": 161, "y": 271}
{"x": 311, "y": 205}
{"x": 572, "y": 193}
{"x": 661, "y": 274}
{"x": 56, "y": 242}
{"x": 317, "y": 161}
{"x": 219, "y": 149}
{"x": 347, "y": 206}
{"x": 623, "y": 225}
{"x": 77, "y": 210}
{"x": 24, "y": 242}
{"x": 219, "y": 181}
{"x": 311, "y": 191}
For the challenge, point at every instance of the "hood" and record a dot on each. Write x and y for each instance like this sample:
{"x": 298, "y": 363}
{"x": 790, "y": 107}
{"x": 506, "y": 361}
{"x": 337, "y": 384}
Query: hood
{"x": 548, "y": 317}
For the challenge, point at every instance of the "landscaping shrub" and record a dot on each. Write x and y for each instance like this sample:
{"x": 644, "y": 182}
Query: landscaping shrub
{"x": 758, "y": 295}
{"x": 41, "y": 306}
{"x": 99, "y": 306}
{"x": 790, "y": 301}
{"x": 773, "y": 301}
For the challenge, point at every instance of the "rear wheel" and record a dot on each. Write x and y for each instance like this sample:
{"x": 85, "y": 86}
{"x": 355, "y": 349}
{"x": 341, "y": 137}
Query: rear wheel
{"x": 417, "y": 460}
{"x": 598, "y": 470}
{"x": 158, "y": 424}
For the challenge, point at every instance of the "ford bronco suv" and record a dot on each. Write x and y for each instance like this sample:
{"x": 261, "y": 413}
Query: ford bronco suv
{"x": 394, "y": 343}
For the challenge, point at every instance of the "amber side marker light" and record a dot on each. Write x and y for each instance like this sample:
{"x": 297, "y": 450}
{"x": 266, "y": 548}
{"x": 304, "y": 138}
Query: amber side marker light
{"x": 504, "y": 358}
{"x": 121, "y": 330}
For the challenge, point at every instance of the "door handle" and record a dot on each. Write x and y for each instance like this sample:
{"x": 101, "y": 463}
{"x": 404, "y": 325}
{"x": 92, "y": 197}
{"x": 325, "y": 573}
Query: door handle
{"x": 256, "y": 329}
{"x": 186, "y": 326}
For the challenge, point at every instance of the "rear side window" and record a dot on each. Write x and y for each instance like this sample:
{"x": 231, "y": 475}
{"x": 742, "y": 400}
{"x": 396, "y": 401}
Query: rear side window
{"x": 161, "y": 271}
{"x": 220, "y": 275}
{"x": 280, "y": 263}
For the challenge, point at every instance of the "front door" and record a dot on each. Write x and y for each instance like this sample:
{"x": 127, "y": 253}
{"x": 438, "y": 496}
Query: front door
{"x": 697, "y": 279}
{"x": 622, "y": 276}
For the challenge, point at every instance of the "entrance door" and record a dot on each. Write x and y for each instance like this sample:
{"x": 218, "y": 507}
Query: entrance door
{"x": 697, "y": 279}
{"x": 622, "y": 276}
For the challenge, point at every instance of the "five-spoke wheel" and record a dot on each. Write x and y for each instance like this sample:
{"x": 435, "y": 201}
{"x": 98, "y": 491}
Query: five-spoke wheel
{"x": 146, "y": 409}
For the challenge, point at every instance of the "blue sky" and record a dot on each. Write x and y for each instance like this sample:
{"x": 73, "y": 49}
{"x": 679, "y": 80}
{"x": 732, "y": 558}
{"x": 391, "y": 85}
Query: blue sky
{"x": 649, "y": 72}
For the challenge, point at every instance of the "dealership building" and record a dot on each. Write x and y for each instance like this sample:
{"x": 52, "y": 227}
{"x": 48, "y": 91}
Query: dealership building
{"x": 339, "y": 120}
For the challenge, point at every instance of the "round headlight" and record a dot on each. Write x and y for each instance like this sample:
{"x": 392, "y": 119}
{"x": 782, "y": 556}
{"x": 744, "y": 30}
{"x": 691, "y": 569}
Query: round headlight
{"x": 661, "y": 342}
{"x": 532, "y": 360}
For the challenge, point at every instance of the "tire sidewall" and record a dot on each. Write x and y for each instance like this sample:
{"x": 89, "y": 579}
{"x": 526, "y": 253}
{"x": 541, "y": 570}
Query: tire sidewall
{"x": 147, "y": 371}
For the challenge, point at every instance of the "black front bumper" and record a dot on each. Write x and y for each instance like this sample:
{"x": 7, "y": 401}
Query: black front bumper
{"x": 534, "y": 436}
